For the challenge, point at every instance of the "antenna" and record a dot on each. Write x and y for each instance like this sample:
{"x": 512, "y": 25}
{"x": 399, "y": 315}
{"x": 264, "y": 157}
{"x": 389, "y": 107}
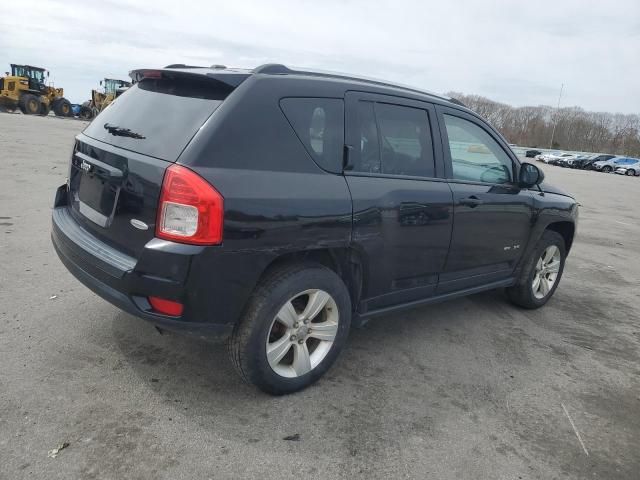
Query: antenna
{"x": 553, "y": 132}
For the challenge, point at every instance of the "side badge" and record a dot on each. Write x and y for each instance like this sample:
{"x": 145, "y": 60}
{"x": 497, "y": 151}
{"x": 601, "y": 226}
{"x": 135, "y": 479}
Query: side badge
{"x": 140, "y": 225}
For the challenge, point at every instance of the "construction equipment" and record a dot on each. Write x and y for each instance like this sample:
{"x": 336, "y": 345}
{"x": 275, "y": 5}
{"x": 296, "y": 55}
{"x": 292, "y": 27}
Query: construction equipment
{"x": 25, "y": 88}
{"x": 101, "y": 99}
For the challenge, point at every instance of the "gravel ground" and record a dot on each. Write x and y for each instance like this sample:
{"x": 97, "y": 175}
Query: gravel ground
{"x": 470, "y": 389}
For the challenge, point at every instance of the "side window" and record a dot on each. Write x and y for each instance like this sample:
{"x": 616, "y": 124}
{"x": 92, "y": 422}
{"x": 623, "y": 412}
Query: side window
{"x": 475, "y": 155}
{"x": 405, "y": 141}
{"x": 368, "y": 158}
{"x": 393, "y": 139}
{"x": 319, "y": 124}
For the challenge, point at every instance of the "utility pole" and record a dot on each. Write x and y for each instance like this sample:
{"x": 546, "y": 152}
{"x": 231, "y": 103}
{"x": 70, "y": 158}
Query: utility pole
{"x": 553, "y": 132}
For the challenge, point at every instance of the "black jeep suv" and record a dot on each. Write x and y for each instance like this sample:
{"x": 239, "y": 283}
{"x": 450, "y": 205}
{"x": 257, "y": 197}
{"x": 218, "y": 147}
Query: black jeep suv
{"x": 273, "y": 207}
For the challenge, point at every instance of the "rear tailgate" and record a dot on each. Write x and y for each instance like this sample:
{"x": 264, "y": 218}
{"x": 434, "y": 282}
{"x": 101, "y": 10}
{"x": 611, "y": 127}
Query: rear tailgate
{"x": 120, "y": 159}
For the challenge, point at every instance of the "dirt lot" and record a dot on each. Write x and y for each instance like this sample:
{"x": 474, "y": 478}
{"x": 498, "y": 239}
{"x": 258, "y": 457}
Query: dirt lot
{"x": 470, "y": 389}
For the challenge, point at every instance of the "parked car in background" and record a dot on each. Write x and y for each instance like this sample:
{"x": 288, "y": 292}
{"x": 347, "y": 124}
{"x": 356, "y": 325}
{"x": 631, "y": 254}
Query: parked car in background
{"x": 532, "y": 153}
{"x": 578, "y": 161}
{"x": 631, "y": 170}
{"x": 609, "y": 166}
{"x": 564, "y": 160}
{"x": 588, "y": 163}
{"x": 561, "y": 157}
{"x": 545, "y": 157}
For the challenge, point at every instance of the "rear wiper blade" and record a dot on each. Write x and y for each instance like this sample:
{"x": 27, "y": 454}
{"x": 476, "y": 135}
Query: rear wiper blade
{"x": 121, "y": 132}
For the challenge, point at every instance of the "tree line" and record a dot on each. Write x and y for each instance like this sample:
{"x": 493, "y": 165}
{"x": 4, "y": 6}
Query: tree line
{"x": 575, "y": 128}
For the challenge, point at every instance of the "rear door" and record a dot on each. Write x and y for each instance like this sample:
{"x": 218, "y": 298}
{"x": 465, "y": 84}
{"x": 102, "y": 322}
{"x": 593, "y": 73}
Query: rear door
{"x": 402, "y": 207}
{"x": 492, "y": 215}
{"x": 119, "y": 160}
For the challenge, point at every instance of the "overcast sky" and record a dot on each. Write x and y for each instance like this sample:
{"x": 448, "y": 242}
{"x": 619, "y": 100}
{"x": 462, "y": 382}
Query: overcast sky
{"x": 510, "y": 51}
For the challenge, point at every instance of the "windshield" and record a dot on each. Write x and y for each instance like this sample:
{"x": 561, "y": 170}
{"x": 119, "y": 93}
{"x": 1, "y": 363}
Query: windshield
{"x": 158, "y": 117}
{"x": 30, "y": 72}
{"x": 111, "y": 85}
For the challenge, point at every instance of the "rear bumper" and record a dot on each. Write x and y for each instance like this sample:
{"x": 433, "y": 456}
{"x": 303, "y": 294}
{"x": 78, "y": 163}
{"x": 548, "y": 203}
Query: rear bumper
{"x": 126, "y": 282}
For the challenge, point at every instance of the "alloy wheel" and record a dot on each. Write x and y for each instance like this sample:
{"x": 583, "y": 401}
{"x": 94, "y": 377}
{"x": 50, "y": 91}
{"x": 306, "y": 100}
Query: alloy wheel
{"x": 547, "y": 270}
{"x": 302, "y": 333}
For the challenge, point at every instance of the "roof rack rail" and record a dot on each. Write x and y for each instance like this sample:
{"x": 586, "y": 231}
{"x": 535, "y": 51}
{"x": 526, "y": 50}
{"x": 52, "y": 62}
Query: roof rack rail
{"x": 457, "y": 102}
{"x": 216, "y": 66}
{"x": 279, "y": 69}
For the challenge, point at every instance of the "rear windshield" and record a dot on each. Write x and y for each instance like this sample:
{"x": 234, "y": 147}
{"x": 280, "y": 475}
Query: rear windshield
{"x": 158, "y": 117}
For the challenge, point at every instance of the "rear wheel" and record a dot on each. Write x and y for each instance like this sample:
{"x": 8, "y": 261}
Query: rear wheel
{"x": 541, "y": 274}
{"x": 86, "y": 113}
{"x": 29, "y": 104}
{"x": 44, "y": 108}
{"x": 62, "y": 107}
{"x": 293, "y": 330}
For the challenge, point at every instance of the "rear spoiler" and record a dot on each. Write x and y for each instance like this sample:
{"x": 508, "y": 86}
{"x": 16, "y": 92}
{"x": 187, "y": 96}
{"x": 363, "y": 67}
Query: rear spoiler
{"x": 230, "y": 78}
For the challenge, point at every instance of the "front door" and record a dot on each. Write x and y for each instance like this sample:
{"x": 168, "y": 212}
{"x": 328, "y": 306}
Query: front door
{"x": 402, "y": 205}
{"x": 492, "y": 215}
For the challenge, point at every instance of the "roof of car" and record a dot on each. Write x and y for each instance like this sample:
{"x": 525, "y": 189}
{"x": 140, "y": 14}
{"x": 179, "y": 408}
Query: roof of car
{"x": 235, "y": 76}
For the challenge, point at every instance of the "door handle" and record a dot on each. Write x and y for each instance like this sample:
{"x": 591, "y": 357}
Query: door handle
{"x": 471, "y": 201}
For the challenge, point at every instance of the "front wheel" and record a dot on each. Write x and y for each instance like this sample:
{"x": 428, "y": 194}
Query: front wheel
{"x": 541, "y": 273}
{"x": 607, "y": 169}
{"x": 62, "y": 107}
{"x": 293, "y": 330}
{"x": 630, "y": 172}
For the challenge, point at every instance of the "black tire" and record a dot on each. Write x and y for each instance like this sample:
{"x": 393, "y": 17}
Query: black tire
{"x": 630, "y": 172}
{"x": 606, "y": 169}
{"x": 62, "y": 107}
{"x": 44, "y": 108}
{"x": 86, "y": 113}
{"x": 522, "y": 293}
{"x": 29, "y": 104}
{"x": 247, "y": 345}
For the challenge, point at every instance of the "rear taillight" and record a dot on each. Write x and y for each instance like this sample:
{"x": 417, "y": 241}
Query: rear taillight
{"x": 190, "y": 210}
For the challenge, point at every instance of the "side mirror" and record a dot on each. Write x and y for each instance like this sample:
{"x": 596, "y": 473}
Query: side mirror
{"x": 100, "y": 82}
{"x": 530, "y": 175}
{"x": 47, "y": 73}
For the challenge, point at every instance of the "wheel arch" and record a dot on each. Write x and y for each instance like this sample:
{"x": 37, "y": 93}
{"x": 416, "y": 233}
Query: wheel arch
{"x": 345, "y": 262}
{"x": 566, "y": 229}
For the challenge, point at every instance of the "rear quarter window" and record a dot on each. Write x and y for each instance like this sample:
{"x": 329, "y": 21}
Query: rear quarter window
{"x": 319, "y": 124}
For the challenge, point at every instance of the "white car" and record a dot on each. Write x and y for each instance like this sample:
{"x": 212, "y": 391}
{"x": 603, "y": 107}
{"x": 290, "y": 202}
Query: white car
{"x": 630, "y": 170}
{"x": 554, "y": 157}
{"x": 545, "y": 157}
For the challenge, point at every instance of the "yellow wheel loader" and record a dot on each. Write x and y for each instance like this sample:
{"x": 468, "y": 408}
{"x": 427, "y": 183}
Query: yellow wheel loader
{"x": 25, "y": 88}
{"x": 101, "y": 99}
